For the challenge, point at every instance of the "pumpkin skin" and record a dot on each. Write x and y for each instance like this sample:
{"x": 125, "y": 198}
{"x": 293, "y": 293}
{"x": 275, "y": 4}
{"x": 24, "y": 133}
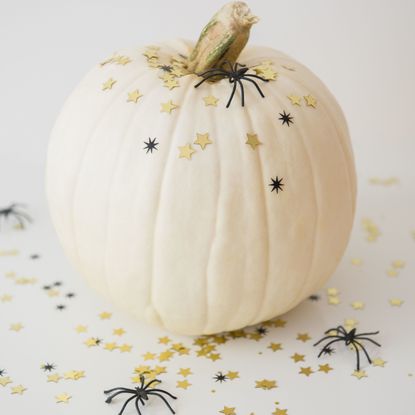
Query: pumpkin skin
{"x": 201, "y": 245}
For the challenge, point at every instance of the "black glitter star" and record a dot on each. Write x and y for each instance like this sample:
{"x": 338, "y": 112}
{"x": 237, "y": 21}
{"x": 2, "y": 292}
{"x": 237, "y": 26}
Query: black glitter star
{"x": 220, "y": 377}
{"x": 286, "y": 118}
{"x": 262, "y": 330}
{"x": 60, "y": 307}
{"x": 314, "y": 297}
{"x": 328, "y": 350}
{"x": 48, "y": 367}
{"x": 150, "y": 145}
{"x": 46, "y": 287}
{"x": 276, "y": 184}
{"x": 57, "y": 283}
{"x": 166, "y": 68}
{"x": 34, "y": 256}
{"x": 2, "y": 372}
{"x": 70, "y": 295}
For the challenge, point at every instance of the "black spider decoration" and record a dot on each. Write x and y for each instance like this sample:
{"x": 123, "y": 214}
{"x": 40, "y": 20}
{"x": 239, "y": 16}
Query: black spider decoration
{"x": 140, "y": 394}
{"x": 19, "y": 216}
{"x": 236, "y": 74}
{"x": 349, "y": 338}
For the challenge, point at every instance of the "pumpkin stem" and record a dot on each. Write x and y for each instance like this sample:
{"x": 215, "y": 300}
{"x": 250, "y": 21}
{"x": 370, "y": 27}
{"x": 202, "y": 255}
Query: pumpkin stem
{"x": 223, "y": 38}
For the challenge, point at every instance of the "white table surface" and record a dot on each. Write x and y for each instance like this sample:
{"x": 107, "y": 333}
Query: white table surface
{"x": 364, "y": 52}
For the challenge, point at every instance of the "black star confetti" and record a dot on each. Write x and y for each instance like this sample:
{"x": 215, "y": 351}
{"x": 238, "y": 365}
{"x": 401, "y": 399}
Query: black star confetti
{"x": 60, "y": 307}
{"x": 276, "y": 184}
{"x": 48, "y": 367}
{"x": 70, "y": 295}
{"x": 34, "y": 256}
{"x": 262, "y": 330}
{"x": 57, "y": 284}
{"x": 46, "y": 287}
{"x": 314, "y": 297}
{"x": 150, "y": 145}
{"x": 220, "y": 377}
{"x": 166, "y": 68}
{"x": 2, "y": 372}
{"x": 286, "y": 118}
{"x": 328, "y": 350}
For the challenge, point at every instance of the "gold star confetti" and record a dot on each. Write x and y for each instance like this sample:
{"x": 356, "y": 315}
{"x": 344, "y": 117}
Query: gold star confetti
{"x": 5, "y": 298}
{"x": 74, "y": 375}
{"x": 5, "y": 380}
{"x": 168, "y": 106}
{"x": 310, "y": 101}
{"x": 350, "y": 323}
{"x": 105, "y": 315}
{"x": 18, "y": 390}
{"x": 303, "y": 337}
{"x": 324, "y": 368}
{"x": 81, "y": 329}
{"x": 280, "y": 412}
{"x": 164, "y": 340}
{"x": 356, "y": 261}
{"x": 186, "y": 151}
{"x": 171, "y": 83}
{"x": 202, "y": 140}
{"x": 125, "y": 348}
{"x": 151, "y": 54}
{"x": 122, "y": 60}
{"x": 92, "y": 341}
{"x": 54, "y": 377}
{"x": 358, "y": 305}
{"x": 110, "y": 346}
{"x": 227, "y": 410}
{"x": 149, "y": 356}
{"x": 134, "y": 96}
{"x": 279, "y": 322}
{"x": 398, "y": 263}
{"x": 392, "y": 272}
{"x": 210, "y": 100}
{"x": 232, "y": 375}
{"x": 275, "y": 346}
{"x": 118, "y": 332}
{"x": 183, "y": 384}
{"x": 166, "y": 355}
{"x": 266, "y": 384}
{"x": 185, "y": 372}
{"x": 252, "y": 140}
{"x": 108, "y": 84}
{"x": 213, "y": 356}
{"x": 16, "y": 327}
{"x": 333, "y": 291}
{"x": 295, "y": 99}
{"x": 359, "y": 374}
{"x": 332, "y": 300}
{"x": 53, "y": 293}
{"x": 307, "y": 371}
{"x": 378, "y": 362}
{"x": 63, "y": 398}
{"x": 395, "y": 302}
{"x": 371, "y": 229}
{"x": 297, "y": 357}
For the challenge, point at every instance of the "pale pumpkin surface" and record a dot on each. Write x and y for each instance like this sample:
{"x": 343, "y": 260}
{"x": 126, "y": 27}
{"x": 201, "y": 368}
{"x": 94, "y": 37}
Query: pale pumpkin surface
{"x": 201, "y": 245}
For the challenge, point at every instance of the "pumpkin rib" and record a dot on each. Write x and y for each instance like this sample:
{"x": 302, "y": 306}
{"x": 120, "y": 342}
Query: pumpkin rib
{"x": 82, "y": 161}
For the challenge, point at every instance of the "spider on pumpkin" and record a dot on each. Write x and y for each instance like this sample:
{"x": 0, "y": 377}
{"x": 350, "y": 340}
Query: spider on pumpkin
{"x": 12, "y": 211}
{"x": 140, "y": 394}
{"x": 236, "y": 74}
{"x": 349, "y": 338}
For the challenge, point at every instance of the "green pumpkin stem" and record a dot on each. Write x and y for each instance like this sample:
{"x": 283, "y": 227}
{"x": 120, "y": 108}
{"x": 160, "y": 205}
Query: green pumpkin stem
{"x": 223, "y": 38}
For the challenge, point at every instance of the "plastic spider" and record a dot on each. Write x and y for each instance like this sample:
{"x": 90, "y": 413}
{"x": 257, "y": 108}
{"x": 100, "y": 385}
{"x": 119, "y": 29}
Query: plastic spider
{"x": 140, "y": 394}
{"x": 236, "y": 74}
{"x": 12, "y": 211}
{"x": 349, "y": 338}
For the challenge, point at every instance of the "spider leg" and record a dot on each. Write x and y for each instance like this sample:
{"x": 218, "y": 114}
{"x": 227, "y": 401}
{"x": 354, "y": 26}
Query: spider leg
{"x": 164, "y": 399}
{"x": 328, "y": 344}
{"x": 242, "y": 92}
{"x": 163, "y": 391}
{"x": 23, "y": 215}
{"x": 367, "y": 334}
{"x": 136, "y": 405}
{"x": 364, "y": 350}
{"x": 256, "y": 86}
{"x": 251, "y": 75}
{"x": 357, "y": 355}
{"x": 111, "y": 397}
{"x": 328, "y": 337}
{"x": 115, "y": 389}
{"x": 153, "y": 381}
{"x": 232, "y": 94}
{"x": 210, "y": 71}
{"x": 125, "y": 404}
{"x": 206, "y": 78}
{"x": 19, "y": 220}
{"x": 367, "y": 339}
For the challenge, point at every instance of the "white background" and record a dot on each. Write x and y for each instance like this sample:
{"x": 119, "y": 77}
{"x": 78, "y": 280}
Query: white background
{"x": 363, "y": 50}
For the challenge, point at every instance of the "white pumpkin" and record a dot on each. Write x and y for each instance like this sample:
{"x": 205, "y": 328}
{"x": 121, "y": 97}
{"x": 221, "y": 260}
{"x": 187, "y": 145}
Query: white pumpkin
{"x": 201, "y": 243}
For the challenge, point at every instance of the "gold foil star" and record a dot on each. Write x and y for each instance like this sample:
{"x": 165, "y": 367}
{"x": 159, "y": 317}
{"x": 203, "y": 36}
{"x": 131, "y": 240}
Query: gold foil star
{"x": 166, "y": 355}
{"x": 54, "y": 377}
{"x": 134, "y": 96}
{"x": 108, "y": 84}
{"x": 359, "y": 374}
{"x": 105, "y": 315}
{"x": 6, "y": 298}
{"x": 202, "y": 140}
{"x": 149, "y": 356}
{"x": 310, "y": 101}
{"x": 171, "y": 83}
{"x": 164, "y": 340}
{"x": 158, "y": 370}
{"x": 295, "y": 99}
{"x": 91, "y": 342}
{"x": 63, "y": 398}
{"x": 211, "y": 100}
{"x": 333, "y": 300}
{"x": 356, "y": 261}
{"x": 122, "y": 60}
{"x": 186, "y": 151}
{"x": 118, "y": 332}
{"x": 16, "y": 327}
{"x": 266, "y": 384}
{"x": 185, "y": 372}
{"x": 232, "y": 375}
{"x": 168, "y": 106}
{"x": 297, "y": 357}
{"x": 110, "y": 346}
{"x": 5, "y": 380}
{"x": 307, "y": 371}
{"x": 252, "y": 140}
{"x": 279, "y": 322}
{"x": 358, "y": 305}
{"x": 279, "y": 411}
{"x": 19, "y": 389}
{"x": 81, "y": 329}
{"x": 183, "y": 384}
{"x": 275, "y": 346}
{"x": 303, "y": 337}
{"x": 213, "y": 356}
{"x": 333, "y": 291}
{"x": 324, "y": 368}
{"x": 378, "y": 362}
{"x": 228, "y": 410}
{"x": 396, "y": 302}
{"x": 125, "y": 348}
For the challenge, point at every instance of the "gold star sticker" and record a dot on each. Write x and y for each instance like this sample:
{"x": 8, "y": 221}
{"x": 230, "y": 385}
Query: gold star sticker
{"x": 183, "y": 384}
{"x": 324, "y": 368}
{"x": 398, "y": 263}
{"x": 378, "y": 362}
{"x": 63, "y": 398}
{"x": 171, "y": 83}
{"x": 332, "y": 300}
{"x": 211, "y": 100}
{"x": 396, "y": 302}
{"x": 79, "y": 374}
{"x": 266, "y": 384}
{"x": 307, "y": 371}
{"x": 118, "y": 332}
{"x": 303, "y": 337}
{"x": 297, "y": 357}
{"x": 232, "y": 375}
{"x": 105, "y": 315}
{"x": 164, "y": 340}
{"x": 280, "y": 412}
{"x": 359, "y": 374}
{"x": 333, "y": 291}
{"x": 275, "y": 346}
{"x": 310, "y": 101}
{"x": 168, "y": 106}
{"x": 81, "y": 329}
{"x": 151, "y": 54}
{"x": 134, "y": 96}
{"x": 19, "y": 389}
{"x": 213, "y": 356}
{"x": 228, "y": 410}
{"x": 295, "y": 99}
{"x": 149, "y": 356}
{"x": 6, "y": 298}
{"x": 122, "y": 60}
{"x": 279, "y": 322}
{"x": 16, "y": 327}
{"x": 91, "y": 342}
{"x": 5, "y": 380}
{"x": 54, "y": 377}
{"x": 202, "y": 140}
{"x": 108, "y": 84}
{"x": 358, "y": 305}
{"x": 125, "y": 348}
{"x": 252, "y": 140}
{"x": 185, "y": 372}
{"x": 166, "y": 355}
{"x": 158, "y": 370}
{"x": 186, "y": 151}
{"x": 110, "y": 346}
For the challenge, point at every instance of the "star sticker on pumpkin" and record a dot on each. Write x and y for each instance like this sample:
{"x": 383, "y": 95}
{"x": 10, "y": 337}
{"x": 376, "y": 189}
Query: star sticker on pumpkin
{"x": 63, "y": 398}
{"x": 266, "y": 384}
{"x": 186, "y": 151}
{"x": 307, "y": 371}
{"x": 48, "y": 367}
{"x": 310, "y": 101}
{"x": 295, "y": 99}
{"x": 202, "y": 140}
{"x": 168, "y": 106}
{"x": 252, "y": 140}
{"x": 276, "y": 184}
{"x": 286, "y": 118}
{"x": 19, "y": 390}
{"x": 150, "y": 145}
{"x": 210, "y": 100}
{"x": 134, "y": 96}
{"x": 227, "y": 410}
{"x": 107, "y": 85}
{"x": 171, "y": 83}
{"x": 220, "y": 377}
